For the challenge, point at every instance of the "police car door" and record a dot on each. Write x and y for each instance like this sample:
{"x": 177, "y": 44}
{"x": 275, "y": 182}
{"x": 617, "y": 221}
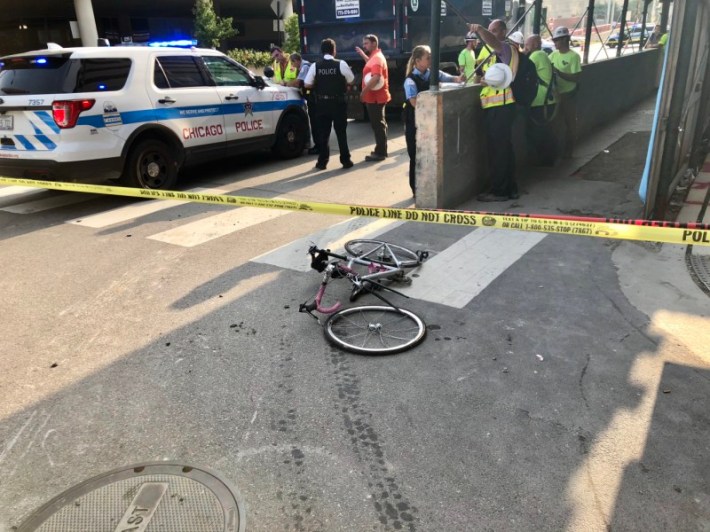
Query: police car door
{"x": 186, "y": 101}
{"x": 248, "y": 110}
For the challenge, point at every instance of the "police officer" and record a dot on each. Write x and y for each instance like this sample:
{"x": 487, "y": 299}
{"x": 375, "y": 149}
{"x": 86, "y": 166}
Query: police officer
{"x": 330, "y": 77}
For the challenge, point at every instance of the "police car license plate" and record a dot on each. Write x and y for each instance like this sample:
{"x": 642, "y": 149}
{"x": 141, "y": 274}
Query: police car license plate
{"x": 6, "y": 122}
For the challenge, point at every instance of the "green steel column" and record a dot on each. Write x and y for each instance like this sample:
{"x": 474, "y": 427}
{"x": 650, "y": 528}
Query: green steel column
{"x": 537, "y": 15}
{"x": 679, "y": 92}
{"x": 588, "y": 32}
{"x": 435, "y": 38}
{"x": 622, "y": 28}
{"x": 642, "y": 40}
{"x": 664, "y": 15}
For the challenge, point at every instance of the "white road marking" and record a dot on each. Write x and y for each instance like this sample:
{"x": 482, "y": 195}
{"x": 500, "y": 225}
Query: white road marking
{"x": 136, "y": 210}
{"x": 40, "y": 205}
{"x": 463, "y": 270}
{"x": 17, "y": 190}
{"x": 206, "y": 229}
{"x": 294, "y": 255}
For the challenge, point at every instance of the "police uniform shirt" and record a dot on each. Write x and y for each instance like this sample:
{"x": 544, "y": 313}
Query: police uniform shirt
{"x": 344, "y": 70}
{"x": 303, "y": 73}
{"x": 410, "y": 86}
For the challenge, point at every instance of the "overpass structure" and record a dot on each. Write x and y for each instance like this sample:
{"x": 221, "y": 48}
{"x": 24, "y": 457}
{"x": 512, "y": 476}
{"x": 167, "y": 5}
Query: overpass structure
{"x": 30, "y": 24}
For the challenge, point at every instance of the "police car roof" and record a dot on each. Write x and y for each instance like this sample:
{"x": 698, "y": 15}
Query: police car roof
{"x": 113, "y": 51}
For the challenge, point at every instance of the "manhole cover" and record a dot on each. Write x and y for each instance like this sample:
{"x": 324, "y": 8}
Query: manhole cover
{"x": 144, "y": 498}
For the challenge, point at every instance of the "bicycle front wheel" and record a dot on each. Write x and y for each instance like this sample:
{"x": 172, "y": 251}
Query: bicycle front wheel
{"x": 379, "y": 251}
{"x": 374, "y": 330}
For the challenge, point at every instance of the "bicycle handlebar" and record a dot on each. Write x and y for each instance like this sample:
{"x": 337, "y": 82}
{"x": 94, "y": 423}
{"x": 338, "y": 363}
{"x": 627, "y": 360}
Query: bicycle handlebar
{"x": 319, "y": 257}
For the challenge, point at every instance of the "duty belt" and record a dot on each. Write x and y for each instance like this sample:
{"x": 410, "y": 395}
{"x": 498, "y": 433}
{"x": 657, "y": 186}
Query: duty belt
{"x": 327, "y": 97}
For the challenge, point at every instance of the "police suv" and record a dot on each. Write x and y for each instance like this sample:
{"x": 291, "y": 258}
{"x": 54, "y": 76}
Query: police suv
{"x": 137, "y": 113}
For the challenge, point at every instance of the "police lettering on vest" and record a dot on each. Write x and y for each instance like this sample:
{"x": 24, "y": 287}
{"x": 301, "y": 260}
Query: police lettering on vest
{"x": 330, "y": 82}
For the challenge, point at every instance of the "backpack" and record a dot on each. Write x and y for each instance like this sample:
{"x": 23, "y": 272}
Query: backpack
{"x": 525, "y": 82}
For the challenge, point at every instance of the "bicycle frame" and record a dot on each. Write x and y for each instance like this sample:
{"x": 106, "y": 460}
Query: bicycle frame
{"x": 377, "y": 270}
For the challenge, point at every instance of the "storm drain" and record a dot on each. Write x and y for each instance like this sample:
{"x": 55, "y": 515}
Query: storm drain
{"x": 144, "y": 498}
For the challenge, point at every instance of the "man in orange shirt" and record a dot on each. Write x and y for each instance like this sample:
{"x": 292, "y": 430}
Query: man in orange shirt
{"x": 375, "y": 93}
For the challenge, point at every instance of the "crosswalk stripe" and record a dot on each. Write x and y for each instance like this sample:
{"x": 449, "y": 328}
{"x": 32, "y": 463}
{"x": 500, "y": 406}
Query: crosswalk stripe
{"x": 463, "y": 270}
{"x": 206, "y": 229}
{"x": 136, "y": 210}
{"x": 294, "y": 255}
{"x": 45, "y": 204}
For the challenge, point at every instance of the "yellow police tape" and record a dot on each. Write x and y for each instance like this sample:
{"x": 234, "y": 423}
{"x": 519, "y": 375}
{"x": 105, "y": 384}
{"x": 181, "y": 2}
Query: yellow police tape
{"x": 640, "y": 230}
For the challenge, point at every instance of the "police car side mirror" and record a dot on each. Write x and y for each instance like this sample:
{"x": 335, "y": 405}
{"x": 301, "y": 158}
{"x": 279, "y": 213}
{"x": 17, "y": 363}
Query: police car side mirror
{"x": 268, "y": 72}
{"x": 259, "y": 82}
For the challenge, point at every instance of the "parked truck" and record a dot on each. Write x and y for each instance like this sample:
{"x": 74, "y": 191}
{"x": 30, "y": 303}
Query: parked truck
{"x": 400, "y": 25}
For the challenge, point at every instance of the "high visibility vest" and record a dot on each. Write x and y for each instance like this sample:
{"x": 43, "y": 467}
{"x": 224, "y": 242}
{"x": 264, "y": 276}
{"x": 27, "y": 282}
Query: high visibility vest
{"x": 290, "y": 73}
{"x": 491, "y": 97}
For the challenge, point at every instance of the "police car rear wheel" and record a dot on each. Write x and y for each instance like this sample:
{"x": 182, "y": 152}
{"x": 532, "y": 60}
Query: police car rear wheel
{"x": 291, "y": 137}
{"x": 151, "y": 164}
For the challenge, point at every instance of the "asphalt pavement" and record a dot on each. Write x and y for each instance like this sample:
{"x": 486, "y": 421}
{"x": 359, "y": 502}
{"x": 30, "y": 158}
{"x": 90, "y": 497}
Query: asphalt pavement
{"x": 562, "y": 386}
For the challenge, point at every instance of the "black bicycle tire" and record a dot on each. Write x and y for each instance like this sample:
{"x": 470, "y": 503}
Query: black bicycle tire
{"x": 411, "y": 262}
{"x": 337, "y": 341}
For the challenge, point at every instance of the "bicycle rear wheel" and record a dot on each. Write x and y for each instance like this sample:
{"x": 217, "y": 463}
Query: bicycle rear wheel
{"x": 379, "y": 251}
{"x": 374, "y": 330}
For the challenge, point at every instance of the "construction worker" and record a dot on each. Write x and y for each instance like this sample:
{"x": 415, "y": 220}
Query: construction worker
{"x": 467, "y": 58}
{"x": 498, "y": 114}
{"x": 285, "y": 73}
{"x": 541, "y": 137}
{"x": 567, "y": 66}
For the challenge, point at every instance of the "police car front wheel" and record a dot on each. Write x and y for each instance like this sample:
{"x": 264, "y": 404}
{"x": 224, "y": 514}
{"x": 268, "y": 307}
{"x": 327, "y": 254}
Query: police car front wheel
{"x": 151, "y": 164}
{"x": 291, "y": 137}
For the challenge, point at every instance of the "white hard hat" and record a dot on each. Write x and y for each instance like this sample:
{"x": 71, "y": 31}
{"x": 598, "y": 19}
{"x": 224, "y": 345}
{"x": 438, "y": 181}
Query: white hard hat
{"x": 378, "y": 85}
{"x": 560, "y": 32}
{"x": 517, "y": 38}
{"x": 498, "y": 76}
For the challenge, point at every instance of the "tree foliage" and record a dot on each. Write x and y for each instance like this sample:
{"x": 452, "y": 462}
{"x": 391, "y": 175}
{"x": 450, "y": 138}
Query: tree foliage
{"x": 293, "y": 41}
{"x": 250, "y": 58}
{"x": 210, "y": 29}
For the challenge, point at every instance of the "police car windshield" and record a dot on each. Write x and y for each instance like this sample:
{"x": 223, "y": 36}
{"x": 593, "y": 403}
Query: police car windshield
{"x": 60, "y": 75}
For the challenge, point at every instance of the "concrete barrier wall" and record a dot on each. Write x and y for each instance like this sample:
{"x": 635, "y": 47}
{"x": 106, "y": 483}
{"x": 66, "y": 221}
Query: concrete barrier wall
{"x": 450, "y": 146}
{"x": 451, "y": 143}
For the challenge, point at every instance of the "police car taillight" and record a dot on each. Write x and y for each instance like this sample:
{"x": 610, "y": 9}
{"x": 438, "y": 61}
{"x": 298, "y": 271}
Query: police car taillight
{"x": 66, "y": 112}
